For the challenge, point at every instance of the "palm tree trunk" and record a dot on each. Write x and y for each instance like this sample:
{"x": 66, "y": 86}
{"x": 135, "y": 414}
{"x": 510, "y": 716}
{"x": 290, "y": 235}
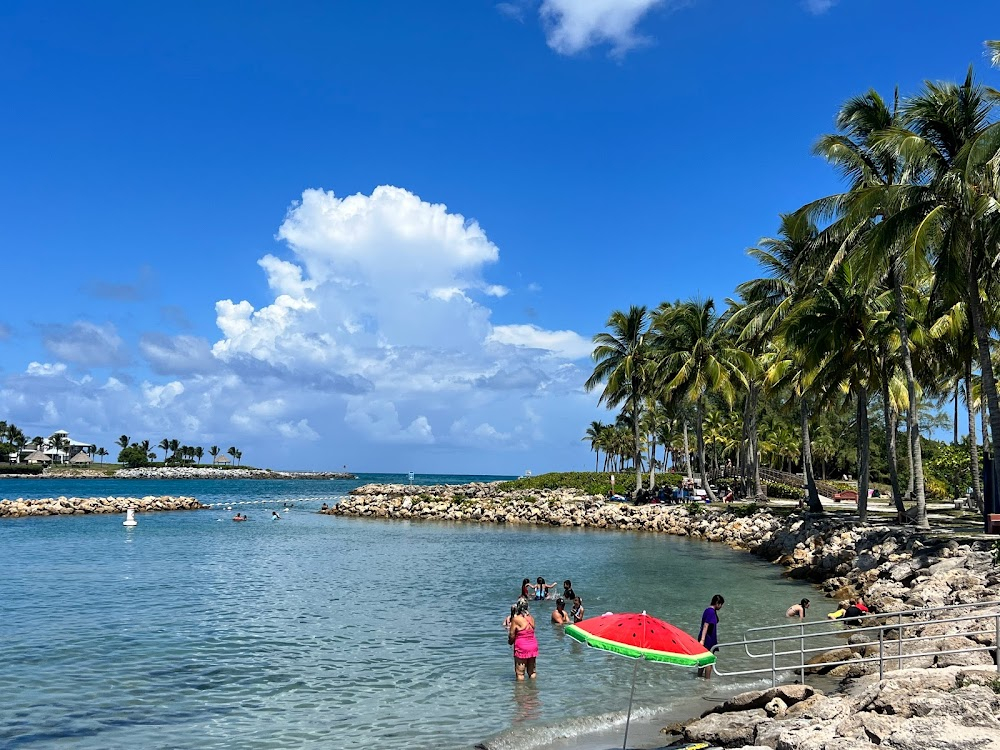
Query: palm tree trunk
{"x": 912, "y": 413}
{"x": 987, "y": 446}
{"x": 700, "y": 435}
{"x": 989, "y": 385}
{"x": 638, "y": 445}
{"x": 864, "y": 454}
{"x": 597, "y": 458}
{"x": 911, "y": 480}
{"x": 753, "y": 433}
{"x": 814, "y": 502}
{"x": 891, "y": 424}
{"x": 955, "y": 437}
{"x": 977, "y": 487}
{"x": 687, "y": 452}
{"x": 652, "y": 461}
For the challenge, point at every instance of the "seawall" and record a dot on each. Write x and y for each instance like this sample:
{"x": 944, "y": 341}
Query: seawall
{"x": 68, "y": 506}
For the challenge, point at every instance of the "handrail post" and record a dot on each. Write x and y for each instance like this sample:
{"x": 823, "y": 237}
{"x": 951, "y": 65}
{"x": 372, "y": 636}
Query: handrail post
{"x": 881, "y": 654}
{"x": 802, "y": 654}
{"x": 899, "y": 643}
{"x": 996, "y": 642}
{"x": 774, "y": 665}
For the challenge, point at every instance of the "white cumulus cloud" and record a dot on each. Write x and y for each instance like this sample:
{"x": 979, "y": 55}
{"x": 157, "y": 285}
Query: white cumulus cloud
{"x": 574, "y": 25}
{"x": 568, "y": 344}
{"x": 45, "y": 369}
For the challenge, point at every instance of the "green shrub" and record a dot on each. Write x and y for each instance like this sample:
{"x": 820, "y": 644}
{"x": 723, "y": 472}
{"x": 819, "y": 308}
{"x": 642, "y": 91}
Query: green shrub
{"x": 695, "y": 509}
{"x": 935, "y": 490}
{"x": 784, "y": 491}
{"x": 20, "y": 469}
{"x": 592, "y": 483}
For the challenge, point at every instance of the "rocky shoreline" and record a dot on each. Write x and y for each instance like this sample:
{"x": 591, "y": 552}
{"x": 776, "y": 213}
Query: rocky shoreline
{"x": 68, "y": 506}
{"x": 940, "y": 701}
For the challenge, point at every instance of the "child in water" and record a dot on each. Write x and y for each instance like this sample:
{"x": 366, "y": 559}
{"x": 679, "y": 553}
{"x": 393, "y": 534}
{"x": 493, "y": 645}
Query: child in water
{"x": 577, "y": 612}
{"x": 542, "y": 588}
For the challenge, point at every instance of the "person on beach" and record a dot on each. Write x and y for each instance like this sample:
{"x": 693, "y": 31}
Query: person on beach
{"x": 568, "y": 594}
{"x": 798, "y": 610}
{"x": 708, "y": 636}
{"x": 577, "y": 612}
{"x": 860, "y": 604}
{"x": 238, "y": 517}
{"x": 275, "y": 516}
{"x": 526, "y": 591}
{"x": 559, "y": 615}
{"x": 542, "y": 588}
{"x": 521, "y": 635}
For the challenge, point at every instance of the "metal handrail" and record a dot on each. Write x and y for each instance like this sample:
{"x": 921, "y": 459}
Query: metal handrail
{"x": 880, "y": 628}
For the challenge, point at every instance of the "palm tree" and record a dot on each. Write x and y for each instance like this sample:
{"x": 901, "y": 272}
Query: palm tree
{"x": 174, "y": 446}
{"x": 952, "y": 214}
{"x": 123, "y": 441}
{"x": 199, "y": 452}
{"x": 232, "y": 452}
{"x": 594, "y": 436}
{"x": 102, "y": 452}
{"x": 239, "y": 457}
{"x": 870, "y": 216}
{"x": 213, "y": 452}
{"x": 836, "y": 333}
{"x": 698, "y": 358}
{"x": 993, "y": 50}
{"x": 621, "y": 363}
{"x": 164, "y": 446}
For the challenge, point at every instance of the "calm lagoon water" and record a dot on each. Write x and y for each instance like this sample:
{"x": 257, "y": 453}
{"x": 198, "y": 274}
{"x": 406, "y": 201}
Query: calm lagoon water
{"x": 190, "y": 631}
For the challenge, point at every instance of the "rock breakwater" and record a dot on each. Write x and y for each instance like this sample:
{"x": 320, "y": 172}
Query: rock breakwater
{"x": 68, "y": 506}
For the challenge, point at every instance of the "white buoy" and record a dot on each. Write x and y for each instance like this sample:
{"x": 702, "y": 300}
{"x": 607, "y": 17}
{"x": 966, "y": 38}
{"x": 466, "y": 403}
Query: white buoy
{"x": 130, "y": 518}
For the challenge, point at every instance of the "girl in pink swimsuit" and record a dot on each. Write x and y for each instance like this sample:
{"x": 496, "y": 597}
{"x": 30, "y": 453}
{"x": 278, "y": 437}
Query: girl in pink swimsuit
{"x": 522, "y": 637}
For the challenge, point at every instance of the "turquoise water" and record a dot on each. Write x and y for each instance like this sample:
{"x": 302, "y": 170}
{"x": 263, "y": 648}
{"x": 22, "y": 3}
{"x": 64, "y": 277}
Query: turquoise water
{"x": 190, "y": 631}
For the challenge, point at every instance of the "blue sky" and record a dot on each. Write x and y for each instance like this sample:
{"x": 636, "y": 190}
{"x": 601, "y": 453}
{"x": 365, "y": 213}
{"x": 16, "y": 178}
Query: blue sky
{"x": 382, "y": 234}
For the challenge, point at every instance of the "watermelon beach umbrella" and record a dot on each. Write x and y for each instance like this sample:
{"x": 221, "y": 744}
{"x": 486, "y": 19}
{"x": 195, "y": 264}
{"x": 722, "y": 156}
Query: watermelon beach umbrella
{"x": 640, "y": 637}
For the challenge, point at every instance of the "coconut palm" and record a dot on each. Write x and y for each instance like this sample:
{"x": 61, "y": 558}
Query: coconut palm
{"x": 698, "y": 358}
{"x": 593, "y": 434}
{"x": 213, "y": 452}
{"x": 993, "y": 50}
{"x": 941, "y": 210}
{"x": 870, "y": 226}
{"x": 621, "y": 359}
{"x": 164, "y": 446}
{"x": 123, "y": 441}
{"x": 199, "y": 453}
{"x": 102, "y": 452}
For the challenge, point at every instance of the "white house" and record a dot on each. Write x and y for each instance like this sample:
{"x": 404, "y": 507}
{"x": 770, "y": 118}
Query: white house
{"x": 66, "y": 452}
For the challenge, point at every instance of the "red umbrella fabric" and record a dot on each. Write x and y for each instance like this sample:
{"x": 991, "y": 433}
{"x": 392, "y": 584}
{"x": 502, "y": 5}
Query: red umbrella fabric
{"x": 641, "y": 636}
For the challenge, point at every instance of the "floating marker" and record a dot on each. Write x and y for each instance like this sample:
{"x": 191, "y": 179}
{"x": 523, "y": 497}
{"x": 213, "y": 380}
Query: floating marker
{"x": 130, "y": 518}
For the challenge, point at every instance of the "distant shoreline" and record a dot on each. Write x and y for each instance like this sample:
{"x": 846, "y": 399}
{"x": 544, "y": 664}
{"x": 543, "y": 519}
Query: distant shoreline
{"x": 181, "y": 472}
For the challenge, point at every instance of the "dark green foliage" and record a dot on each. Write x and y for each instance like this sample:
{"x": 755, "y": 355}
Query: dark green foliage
{"x": 133, "y": 456}
{"x": 593, "y": 483}
{"x": 695, "y": 509}
{"x": 745, "y": 509}
{"x": 783, "y": 491}
{"x": 20, "y": 469}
